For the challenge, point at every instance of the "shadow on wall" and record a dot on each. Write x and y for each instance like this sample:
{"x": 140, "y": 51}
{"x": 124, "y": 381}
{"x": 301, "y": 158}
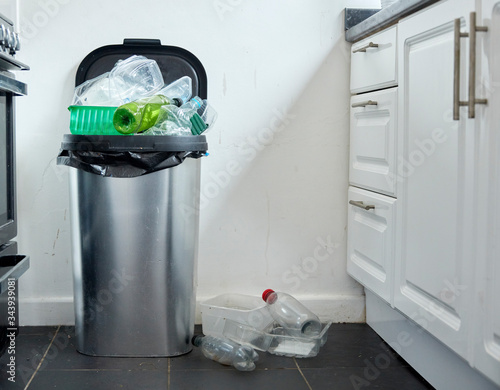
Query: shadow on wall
{"x": 284, "y": 188}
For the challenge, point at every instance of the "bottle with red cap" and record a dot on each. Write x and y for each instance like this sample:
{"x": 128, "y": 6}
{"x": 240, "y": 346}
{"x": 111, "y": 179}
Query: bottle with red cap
{"x": 293, "y": 316}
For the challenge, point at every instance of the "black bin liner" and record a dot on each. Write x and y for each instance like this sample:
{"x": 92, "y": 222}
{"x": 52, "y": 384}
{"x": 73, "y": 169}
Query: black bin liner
{"x": 128, "y": 156}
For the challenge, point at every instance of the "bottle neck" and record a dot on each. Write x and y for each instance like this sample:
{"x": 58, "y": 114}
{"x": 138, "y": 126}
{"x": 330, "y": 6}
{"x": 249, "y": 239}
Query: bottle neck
{"x": 196, "y": 340}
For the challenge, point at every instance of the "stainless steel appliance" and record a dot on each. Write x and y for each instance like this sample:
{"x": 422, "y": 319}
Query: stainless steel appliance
{"x": 12, "y": 265}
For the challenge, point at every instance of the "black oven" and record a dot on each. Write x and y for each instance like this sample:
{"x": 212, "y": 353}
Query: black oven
{"x": 12, "y": 265}
{"x": 8, "y": 222}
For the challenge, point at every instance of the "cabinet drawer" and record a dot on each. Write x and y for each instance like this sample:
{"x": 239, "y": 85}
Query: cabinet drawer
{"x": 370, "y": 242}
{"x": 372, "y": 161}
{"x": 374, "y": 67}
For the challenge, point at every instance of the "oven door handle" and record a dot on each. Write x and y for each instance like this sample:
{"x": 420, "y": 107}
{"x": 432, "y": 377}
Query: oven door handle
{"x": 13, "y": 86}
{"x": 11, "y": 268}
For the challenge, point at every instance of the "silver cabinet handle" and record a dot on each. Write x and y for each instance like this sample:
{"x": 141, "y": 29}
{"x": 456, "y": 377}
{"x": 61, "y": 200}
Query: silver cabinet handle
{"x": 456, "y": 70}
{"x": 472, "y": 65}
{"x": 360, "y": 204}
{"x": 364, "y": 104}
{"x": 363, "y": 49}
{"x": 471, "y": 103}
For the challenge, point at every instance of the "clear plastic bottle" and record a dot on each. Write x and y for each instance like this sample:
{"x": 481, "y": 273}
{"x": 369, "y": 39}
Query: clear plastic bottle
{"x": 200, "y": 113}
{"x": 293, "y": 316}
{"x": 136, "y": 77}
{"x": 180, "y": 89}
{"x": 139, "y": 115}
{"x": 227, "y": 352}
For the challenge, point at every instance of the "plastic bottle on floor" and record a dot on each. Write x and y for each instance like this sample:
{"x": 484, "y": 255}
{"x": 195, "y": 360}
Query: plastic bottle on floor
{"x": 227, "y": 352}
{"x": 293, "y": 316}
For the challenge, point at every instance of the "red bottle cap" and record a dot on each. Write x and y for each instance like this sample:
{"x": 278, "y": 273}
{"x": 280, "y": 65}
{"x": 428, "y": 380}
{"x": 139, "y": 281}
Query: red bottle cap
{"x": 266, "y": 294}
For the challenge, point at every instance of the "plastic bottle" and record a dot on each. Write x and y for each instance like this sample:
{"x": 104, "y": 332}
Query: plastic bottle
{"x": 293, "y": 316}
{"x": 170, "y": 123}
{"x": 139, "y": 115}
{"x": 179, "y": 90}
{"x": 200, "y": 113}
{"x": 135, "y": 78}
{"x": 227, "y": 352}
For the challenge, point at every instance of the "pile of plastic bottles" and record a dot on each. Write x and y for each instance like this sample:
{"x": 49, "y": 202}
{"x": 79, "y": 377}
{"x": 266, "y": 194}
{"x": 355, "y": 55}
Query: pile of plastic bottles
{"x": 145, "y": 105}
{"x": 297, "y": 332}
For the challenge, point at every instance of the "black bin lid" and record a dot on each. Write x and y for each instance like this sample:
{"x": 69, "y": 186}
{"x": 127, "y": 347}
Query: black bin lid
{"x": 135, "y": 155}
{"x": 174, "y": 62}
{"x": 134, "y": 143}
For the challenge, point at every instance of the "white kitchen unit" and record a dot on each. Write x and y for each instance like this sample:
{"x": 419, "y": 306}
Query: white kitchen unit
{"x": 486, "y": 303}
{"x": 372, "y": 202}
{"x": 443, "y": 289}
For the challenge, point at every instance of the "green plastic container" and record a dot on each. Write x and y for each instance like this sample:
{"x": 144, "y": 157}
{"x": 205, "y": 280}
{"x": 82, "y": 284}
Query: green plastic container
{"x": 92, "y": 120}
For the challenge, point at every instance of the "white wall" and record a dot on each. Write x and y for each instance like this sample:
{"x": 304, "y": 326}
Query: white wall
{"x": 278, "y": 76}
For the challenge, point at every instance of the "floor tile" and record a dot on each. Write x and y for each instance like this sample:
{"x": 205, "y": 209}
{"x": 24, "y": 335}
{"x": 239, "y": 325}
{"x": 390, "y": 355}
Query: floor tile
{"x": 29, "y": 351}
{"x": 351, "y": 348}
{"x": 369, "y": 377}
{"x": 100, "y": 380}
{"x": 232, "y": 379}
{"x": 63, "y": 355}
{"x": 354, "y": 357}
{"x": 37, "y": 330}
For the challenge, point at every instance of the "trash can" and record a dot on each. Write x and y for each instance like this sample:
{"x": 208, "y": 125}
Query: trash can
{"x": 134, "y": 204}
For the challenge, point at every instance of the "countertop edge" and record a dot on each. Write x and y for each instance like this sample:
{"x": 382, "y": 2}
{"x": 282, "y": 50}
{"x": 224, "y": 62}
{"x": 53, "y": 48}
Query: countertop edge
{"x": 385, "y": 18}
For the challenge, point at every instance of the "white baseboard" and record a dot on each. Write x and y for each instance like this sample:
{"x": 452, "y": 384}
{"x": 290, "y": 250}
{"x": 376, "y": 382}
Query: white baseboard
{"x": 46, "y": 311}
{"x": 60, "y": 311}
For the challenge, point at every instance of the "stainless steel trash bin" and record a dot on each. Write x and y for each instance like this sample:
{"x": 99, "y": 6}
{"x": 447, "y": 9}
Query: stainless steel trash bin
{"x": 134, "y": 258}
{"x": 135, "y": 222}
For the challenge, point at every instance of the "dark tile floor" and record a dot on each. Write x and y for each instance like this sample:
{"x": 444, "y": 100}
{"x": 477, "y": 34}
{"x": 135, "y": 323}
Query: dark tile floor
{"x": 354, "y": 357}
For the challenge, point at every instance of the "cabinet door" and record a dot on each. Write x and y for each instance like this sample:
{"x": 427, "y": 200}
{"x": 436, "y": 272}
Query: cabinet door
{"x": 370, "y": 243}
{"x": 373, "y": 141}
{"x": 487, "y": 287}
{"x": 434, "y": 259}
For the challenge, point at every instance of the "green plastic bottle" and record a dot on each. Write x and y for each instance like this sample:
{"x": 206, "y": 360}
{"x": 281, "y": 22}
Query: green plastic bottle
{"x": 139, "y": 115}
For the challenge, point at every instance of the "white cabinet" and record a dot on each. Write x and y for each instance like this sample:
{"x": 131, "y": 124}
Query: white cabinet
{"x": 435, "y": 221}
{"x": 486, "y": 337}
{"x": 373, "y": 62}
{"x": 370, "y": 244}
{"x": 373, "y": 141}
{"x": 371, "y": 215}
{"x": 430, "y": 250}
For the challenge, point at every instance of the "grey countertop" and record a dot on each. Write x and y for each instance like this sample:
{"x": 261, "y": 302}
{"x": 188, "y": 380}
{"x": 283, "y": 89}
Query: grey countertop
{"x": 384, "y": 18}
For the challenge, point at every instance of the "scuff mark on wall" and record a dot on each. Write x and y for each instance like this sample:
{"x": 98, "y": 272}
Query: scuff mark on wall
{"x": 268, "y": 233}
{"x": 54, "y": 245}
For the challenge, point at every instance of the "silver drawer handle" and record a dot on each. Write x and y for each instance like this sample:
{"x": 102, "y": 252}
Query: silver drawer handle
{"x": 363, "y": 49}
{"x": 364, "y": 104}
{"x": 360, "y": 204}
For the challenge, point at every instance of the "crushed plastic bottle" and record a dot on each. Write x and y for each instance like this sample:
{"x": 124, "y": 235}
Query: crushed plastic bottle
{"x": 135, "y": 78}
{"x": 293, "y": 316}
{"x": 200, "y": 113}
{"x": 139, "y": 115}
{"x": 193, "y": 118}
{"x": 131, "y": 79}
{"x": 227, "y": 352}
{"x": 170, "y": 123}
{"x": 180, "y": 90}
{"x": 96, "y": 92}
